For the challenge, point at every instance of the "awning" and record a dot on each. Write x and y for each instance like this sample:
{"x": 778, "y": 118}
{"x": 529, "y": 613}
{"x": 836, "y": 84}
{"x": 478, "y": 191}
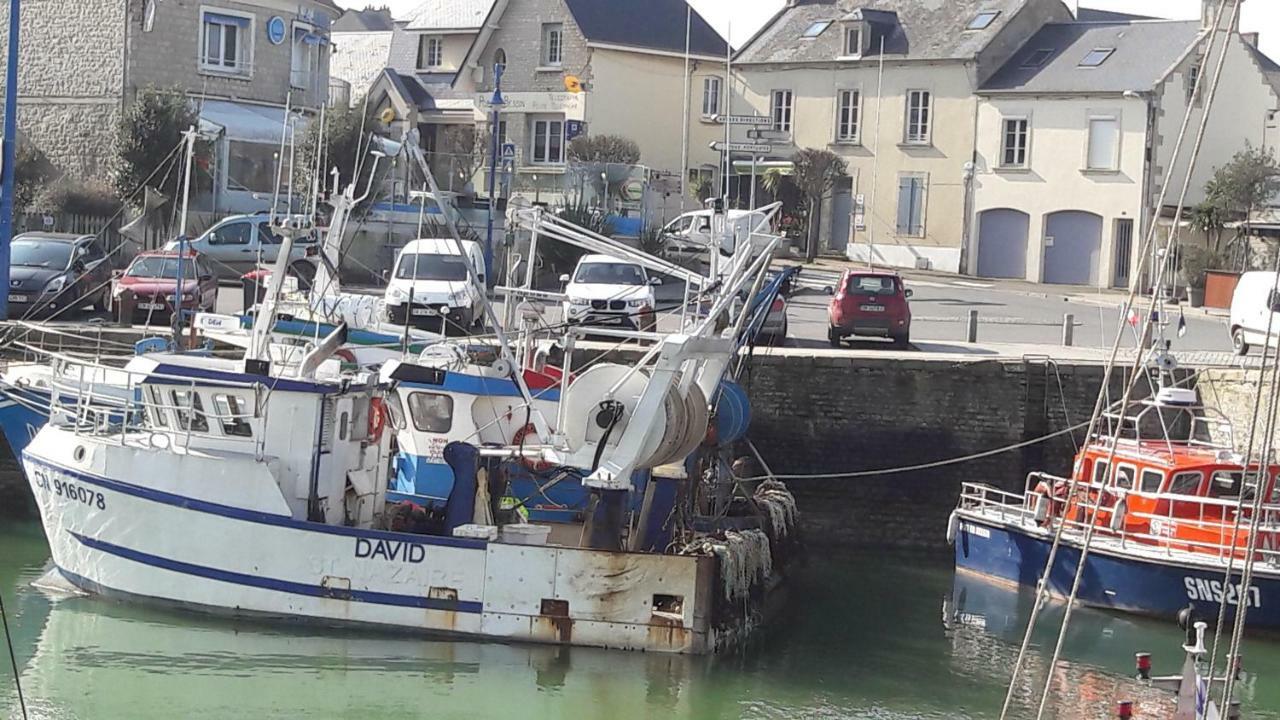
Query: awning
{"x": 244, "y": 122}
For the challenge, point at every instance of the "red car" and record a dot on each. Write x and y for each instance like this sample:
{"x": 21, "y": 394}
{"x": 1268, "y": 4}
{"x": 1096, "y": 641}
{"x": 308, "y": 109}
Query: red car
{"x": 870, "y": 303}
{"x": 152, "y": 278}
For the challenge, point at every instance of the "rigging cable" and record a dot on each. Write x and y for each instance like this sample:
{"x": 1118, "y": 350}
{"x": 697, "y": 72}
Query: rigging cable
{"x": 1164, "y": 266}
{"x": 13, "y": 659}
{"x": 1149, "y": 242}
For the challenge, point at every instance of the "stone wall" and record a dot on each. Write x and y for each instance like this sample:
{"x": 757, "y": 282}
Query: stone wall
{"x": 843, "y": 414}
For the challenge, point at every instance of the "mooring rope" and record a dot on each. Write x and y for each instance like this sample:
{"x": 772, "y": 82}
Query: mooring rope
{"x": 13, "y": 658}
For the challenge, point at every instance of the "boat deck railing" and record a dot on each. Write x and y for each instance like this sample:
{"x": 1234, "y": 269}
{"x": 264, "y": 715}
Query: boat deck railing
{"x": 1186, "y": 527}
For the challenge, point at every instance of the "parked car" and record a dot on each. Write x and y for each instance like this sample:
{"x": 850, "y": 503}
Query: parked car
{"x": 436, "y": 275}
{"x": 688, "y": 237}
{"x": 152, "y": 277}
{"x": 1255, "y": 307}
{"x": 774, "y": 329}
{"x": 240, "y": 243}
{"x": 870, "y": 304}
{"x": 605, "y": 291}
{"x": 55, "y": 273}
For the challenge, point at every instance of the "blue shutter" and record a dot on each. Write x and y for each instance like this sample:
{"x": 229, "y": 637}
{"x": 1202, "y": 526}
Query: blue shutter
{"x": 917, "y": 206}
{"x": 905, "y": 185}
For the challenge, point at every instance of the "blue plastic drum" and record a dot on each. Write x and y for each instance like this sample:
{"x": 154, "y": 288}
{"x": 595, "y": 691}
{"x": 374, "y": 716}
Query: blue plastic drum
{"x": 733, "y": 412}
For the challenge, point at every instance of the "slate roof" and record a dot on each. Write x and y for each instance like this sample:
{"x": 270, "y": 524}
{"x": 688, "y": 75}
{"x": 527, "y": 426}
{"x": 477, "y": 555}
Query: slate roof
{"x": 367, "y": 20}
{"x": 410, "y": 89}
{"x": 1145, "y": 51}
{"x": 449, "y": 15}
{"x": 1093, "y": 15}
{"x": 925, "y": 29}
{"x": 1270, "y": 68}
{"x": 358, "y": 57}
{"x": 649, "y": 24}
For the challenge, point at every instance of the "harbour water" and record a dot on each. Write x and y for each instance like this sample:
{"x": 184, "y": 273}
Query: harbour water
{"x": 861, "y": 637}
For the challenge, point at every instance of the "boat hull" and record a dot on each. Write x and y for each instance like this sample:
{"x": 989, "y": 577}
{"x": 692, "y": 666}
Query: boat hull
{"x": 174, "y": 542}
{"x": 1129, "y": 582}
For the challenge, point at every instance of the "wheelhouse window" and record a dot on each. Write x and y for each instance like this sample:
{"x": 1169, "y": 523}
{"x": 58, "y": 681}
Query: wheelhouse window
{"x": 226, "y": 42}
{"x": 1014, "y": 142}
{"x": 848, "y": 116}
{"x": 553, "y": 44}
{"x": 190, "y": 411}
{"x": 233, "y": 415}
{"x": 547, "y": 139}
{"x": 1100, "y": 472}
{"x": 1125, "y": 475}
{"x": 1185, "y": 483}
{"x": 710, "y": 97}
{"x": 919, "y": 117}
{"x": 431, "y": 412}
{"x": 1151, "y": 481}
{"x": 781, "y": 109}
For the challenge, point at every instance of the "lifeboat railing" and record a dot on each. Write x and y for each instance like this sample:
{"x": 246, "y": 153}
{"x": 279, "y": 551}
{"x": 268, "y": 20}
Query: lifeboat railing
{"x": 1207, "y": 427}
{"x": 1212, "y": 516}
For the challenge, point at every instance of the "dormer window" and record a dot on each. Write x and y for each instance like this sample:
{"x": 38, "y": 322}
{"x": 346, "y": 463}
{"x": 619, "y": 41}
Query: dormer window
{"x": 853, "y": 40}
{"x": 983, "y": 20}
{"x": 1037, "y": 59}
{"x": 1096, "y": 57}
{"x": 817, "y": 29}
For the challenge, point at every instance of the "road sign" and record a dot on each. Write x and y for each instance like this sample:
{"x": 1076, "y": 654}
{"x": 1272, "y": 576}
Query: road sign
{"x": 508, "y": 151}
{"x": 742, "y": 147}
{"x": 744, "y": 119}
{"x": 768, "y": 135}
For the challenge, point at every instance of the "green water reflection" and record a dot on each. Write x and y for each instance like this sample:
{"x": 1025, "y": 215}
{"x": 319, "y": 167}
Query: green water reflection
{"x": 862, "y": 637}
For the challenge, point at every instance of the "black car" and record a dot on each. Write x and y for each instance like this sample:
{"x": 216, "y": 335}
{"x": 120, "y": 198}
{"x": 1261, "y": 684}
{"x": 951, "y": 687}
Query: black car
{"x": 55, "y": 274}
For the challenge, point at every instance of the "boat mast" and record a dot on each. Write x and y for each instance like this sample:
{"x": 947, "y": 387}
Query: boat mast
{"x": 180, "y": 279}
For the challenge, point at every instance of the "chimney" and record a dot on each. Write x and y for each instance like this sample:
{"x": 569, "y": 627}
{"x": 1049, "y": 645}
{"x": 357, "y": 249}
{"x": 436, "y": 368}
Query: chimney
{"x": 1073, "y": 6}
{"x": 1209, "y": 11}
{"x": 1250, "y": 39}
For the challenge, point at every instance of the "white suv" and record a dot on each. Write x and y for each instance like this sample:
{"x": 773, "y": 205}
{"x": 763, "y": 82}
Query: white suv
{"x": 608, "y": 292}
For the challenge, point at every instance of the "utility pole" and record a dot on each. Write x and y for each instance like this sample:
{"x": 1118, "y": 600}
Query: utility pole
{"x": 8, "y": 158}
{"x": 497, "y": 103}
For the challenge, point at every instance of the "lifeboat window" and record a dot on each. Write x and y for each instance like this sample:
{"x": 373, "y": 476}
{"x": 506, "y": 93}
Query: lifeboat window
{"x": 1227, "y": 484}
{"x": 190, "y": 411}
{"x": 431, "y": 412}
{"x": 232, "y": 414}
{"x": 1125, "y": 475}
{"x": 1152, "y": 480}
{"x": 1185, "y": 483}
{"x": 395, "y": 410}
{"x": 159, "y": 415}
{"x": 1100, "y": 472}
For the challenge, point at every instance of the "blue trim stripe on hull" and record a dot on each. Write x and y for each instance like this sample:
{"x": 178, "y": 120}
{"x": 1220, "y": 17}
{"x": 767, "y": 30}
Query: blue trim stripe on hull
{"x": 285, "y": 586}
{"x": 1127, "y": 583}
{"x": 253, "y": 516}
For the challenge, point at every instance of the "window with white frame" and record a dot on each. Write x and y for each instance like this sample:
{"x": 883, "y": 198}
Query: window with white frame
{"x": 911, "y": 204}
{"x": 305, "y": 57}
{"x": 1104, "y": 144}
{"x": 1193, "y": 77}
{"x": 546, "y": 141}
{"x": 848, "y": 115}
{"x": 710, "y": 97}
{"x": 226, "y": 42}
{"x": 781, "y": 110}
{"x": 853, "y": 40}
{"x": 553, "y": 44}
{"x": 430, "y": 51}
{"x": 1015, "y": 141}
{"x": 919, "y": 117}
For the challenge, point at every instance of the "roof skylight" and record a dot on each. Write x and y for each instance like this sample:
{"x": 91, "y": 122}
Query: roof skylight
{"x": 1037, "y": 59}
{"x": 1096, "y": 57}
{"x": 816, "y": 29}
{"x": 983, "y": 20}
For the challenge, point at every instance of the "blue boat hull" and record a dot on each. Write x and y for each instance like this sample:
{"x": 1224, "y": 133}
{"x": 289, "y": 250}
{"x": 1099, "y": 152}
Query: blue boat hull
{"x": 18, "y": 420}
{"x": 1113, "y": 581}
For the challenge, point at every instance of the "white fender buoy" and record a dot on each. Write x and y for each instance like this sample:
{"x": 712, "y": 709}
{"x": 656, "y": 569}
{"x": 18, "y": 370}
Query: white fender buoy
{"x": 1118, "y": 514}
{"x": 953, "y": 526}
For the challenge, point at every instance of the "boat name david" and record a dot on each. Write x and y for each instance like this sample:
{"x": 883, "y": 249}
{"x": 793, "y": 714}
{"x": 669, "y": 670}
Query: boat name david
{"x": 392, "y": 550}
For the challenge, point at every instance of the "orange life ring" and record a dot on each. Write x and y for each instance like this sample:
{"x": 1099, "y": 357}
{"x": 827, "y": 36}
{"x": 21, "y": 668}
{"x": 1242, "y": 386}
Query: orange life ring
{"x": 377, "y": 419}
{"x": 346, "y": 355}
{"x": 519, "y": 438}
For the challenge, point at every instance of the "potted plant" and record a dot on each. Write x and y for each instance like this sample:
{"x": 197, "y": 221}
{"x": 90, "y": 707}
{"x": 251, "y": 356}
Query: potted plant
{"x": 1196, "y": 261}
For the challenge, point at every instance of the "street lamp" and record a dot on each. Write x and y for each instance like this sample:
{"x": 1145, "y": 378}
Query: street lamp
{"x": 497, "y": 103}
{"x": 7, "y": 159}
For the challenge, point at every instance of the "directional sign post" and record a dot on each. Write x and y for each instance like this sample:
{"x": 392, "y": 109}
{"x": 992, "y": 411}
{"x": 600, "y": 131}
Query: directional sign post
{"x": 768, "y": 135}
{"x": 741, "y": 147}
{"x": 744, "y": 119}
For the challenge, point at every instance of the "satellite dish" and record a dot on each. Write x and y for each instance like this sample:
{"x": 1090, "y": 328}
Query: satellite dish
{"x": 387, "y": 116}
{"x": 572, "y": 84}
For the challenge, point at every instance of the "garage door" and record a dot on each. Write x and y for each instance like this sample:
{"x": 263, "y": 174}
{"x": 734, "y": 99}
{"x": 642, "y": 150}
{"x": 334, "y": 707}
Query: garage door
{"x": 1072, "y": 248}
{"x": 1002, "y": 243}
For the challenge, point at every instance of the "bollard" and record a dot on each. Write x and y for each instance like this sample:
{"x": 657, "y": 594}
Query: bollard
{"x": 1143, "y": 662}
{"x": 1233, "y": 710}
{"x": 973, "y": 326}
{"x": 1068, "y": 329}
{"x": 1124, "y": 709}
{"x": 124, "y": 308}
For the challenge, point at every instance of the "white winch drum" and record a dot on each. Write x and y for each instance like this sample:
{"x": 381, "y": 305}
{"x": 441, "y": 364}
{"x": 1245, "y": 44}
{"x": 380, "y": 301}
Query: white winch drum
{"x": 699, "y": 417}
{"x": 581, "y": 404}
{"x": 672, "y": 435}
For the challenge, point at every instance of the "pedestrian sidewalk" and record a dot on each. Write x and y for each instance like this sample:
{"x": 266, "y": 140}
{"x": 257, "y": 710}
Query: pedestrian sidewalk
{"x": 1108, "y": 297}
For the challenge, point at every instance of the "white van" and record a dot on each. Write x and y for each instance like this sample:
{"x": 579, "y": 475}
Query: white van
{"x": 1254, "y": 306}
{"x": 688, "y": 236}
{"x": 435, "y": 273}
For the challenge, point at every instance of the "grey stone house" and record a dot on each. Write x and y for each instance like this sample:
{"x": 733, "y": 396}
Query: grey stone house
{"x": 239, "y": 61}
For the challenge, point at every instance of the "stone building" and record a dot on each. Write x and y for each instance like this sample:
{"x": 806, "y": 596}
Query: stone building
{"x": 238, "y": 61}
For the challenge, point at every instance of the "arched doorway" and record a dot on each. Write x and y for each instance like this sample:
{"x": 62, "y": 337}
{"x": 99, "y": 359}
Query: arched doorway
{"x": 1072, "y": 247}
{"x": 1002, "y": 243}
